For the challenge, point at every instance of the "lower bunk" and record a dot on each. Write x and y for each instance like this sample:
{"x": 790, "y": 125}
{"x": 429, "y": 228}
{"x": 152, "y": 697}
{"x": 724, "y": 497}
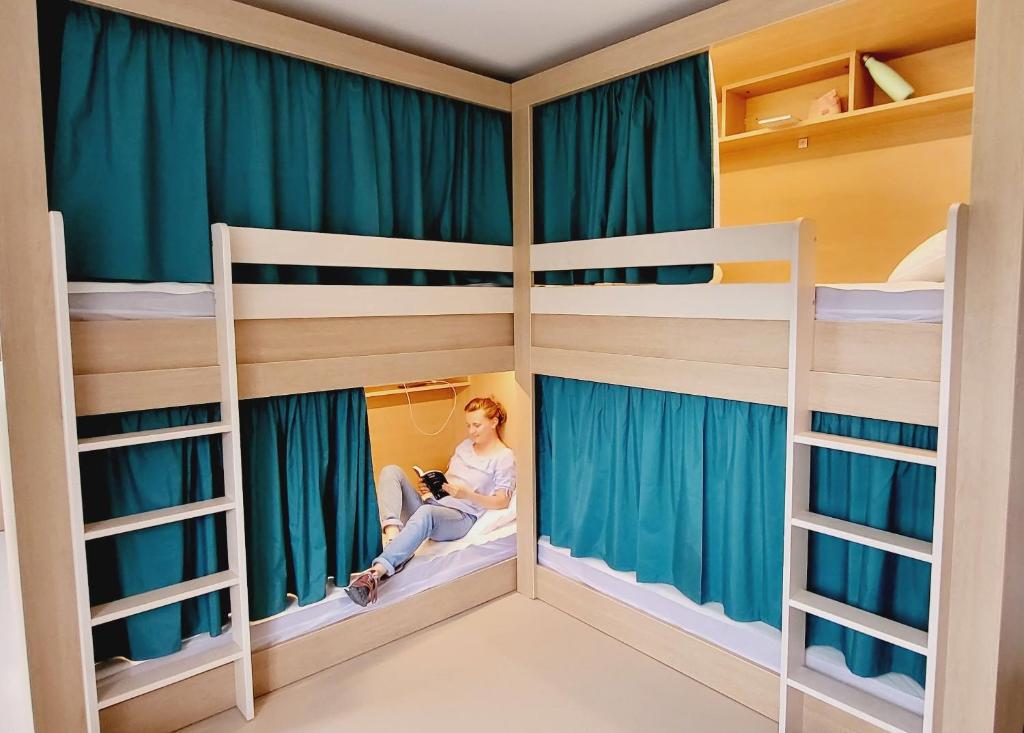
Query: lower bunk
{"x": 755, "y": 641}
{"x": 312, "y": 520}
{"x": 661, "y": 518}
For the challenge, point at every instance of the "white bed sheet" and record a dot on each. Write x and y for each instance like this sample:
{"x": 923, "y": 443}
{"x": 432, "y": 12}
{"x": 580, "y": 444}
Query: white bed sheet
{"x": 903, "y": 302}
{"x": 906, "y": 302}
{"x": 97, "y": 301}
{"x": 756, "y": 641}
{"x": 435, "y": 563}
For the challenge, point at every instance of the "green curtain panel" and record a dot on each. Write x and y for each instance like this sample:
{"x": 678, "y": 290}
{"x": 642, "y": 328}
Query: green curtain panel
{"x": 690, "y": 491}
{"x": 310, "y": 500}
{"x": 143, "y": 478}
{"x": 681, "y": 489}
{"x": 634, "y": 156}
{"x": 160, "y": 132}
{"x": 891, "y": 495}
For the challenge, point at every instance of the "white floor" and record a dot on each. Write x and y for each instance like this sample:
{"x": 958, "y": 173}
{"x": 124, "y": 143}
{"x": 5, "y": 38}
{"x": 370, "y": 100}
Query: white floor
{"x": 510, "y": 665}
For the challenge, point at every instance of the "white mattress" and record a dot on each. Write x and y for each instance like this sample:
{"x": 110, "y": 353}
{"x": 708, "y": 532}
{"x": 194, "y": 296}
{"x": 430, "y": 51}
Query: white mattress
{"x": 94, "y": 301}
{"x": 756, "y": 641}
{"x": 435, "y": 563}
{"x": 905, "y": 302}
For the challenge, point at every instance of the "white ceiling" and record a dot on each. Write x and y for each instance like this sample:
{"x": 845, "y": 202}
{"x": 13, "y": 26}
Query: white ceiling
{"x": 498, "y": 38}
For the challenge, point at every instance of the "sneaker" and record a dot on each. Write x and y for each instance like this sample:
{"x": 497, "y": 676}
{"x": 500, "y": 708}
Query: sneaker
{"x": 363, "y": 589}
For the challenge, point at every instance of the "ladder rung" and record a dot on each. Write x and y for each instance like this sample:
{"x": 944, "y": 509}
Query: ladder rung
{"x": 152, "y": 436}
{"x": 884, "y": 714}
{"x": 157, "y": 517}
{"x": 864, "y": 535}
{"x": 145, "y": 678}
{"x": 864, "y": 621}
{"x": 868, "y": 447}
{"x": 107, "y": 612}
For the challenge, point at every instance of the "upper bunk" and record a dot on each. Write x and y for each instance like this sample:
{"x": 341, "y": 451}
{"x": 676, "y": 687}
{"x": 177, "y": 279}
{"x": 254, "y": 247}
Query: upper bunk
{"x": 720, "y": 340}
{"x": 296, "y": 338}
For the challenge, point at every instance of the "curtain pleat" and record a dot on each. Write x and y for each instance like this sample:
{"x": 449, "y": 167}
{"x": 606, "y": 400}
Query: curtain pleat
{"x": 160, "y": 132}
{"x": 690, "y": 491}
{"x": 633, "y": 156}
{"x": 311, "y": 505}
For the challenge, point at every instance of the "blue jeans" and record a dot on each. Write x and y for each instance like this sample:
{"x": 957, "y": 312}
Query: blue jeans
{"x": 400, "y": 505}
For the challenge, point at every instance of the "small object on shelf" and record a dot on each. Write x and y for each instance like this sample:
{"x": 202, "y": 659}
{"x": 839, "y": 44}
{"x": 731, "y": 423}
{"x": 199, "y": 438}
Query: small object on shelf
{"x": 827, "y": 104}
{"x": 887, "y": 79}
{"x": 777, "y": 121}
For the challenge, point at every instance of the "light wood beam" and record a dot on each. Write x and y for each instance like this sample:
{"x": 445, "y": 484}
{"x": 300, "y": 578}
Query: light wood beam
{"x": 685, "y": 37}
{"x": 251, "y": 26}
{"x": 29, "y": 333}
{"x": 522, "y": 229}
{"x": 985, "y": 658}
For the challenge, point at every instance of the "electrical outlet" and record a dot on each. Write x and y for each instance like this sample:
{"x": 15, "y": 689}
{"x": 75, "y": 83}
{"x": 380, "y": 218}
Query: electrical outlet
{"x": 801, "y": 143}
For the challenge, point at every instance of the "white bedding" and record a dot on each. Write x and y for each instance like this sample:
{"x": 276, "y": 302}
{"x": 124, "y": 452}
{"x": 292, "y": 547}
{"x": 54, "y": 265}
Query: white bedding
{"x": 902, "y": 302}
{"x": 95, "y": 301}
{"x": 756, "y": 641}
{"x": 435, "y": 563}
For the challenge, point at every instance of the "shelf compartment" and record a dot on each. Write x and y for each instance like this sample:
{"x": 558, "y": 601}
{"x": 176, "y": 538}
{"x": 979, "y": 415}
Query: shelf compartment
{"x": 913, "y": 108}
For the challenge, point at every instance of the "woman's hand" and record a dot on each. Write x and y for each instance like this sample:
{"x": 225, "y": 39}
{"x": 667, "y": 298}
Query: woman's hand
{"x": 456, "y": 491}
{"x": 424, "y": 492}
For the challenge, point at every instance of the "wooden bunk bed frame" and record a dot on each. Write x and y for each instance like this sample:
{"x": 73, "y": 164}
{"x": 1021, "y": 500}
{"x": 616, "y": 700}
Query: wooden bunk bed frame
{"x": 271, "y": 352}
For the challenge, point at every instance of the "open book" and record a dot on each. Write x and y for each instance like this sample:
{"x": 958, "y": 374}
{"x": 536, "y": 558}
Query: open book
{"x": 434, "y": 481}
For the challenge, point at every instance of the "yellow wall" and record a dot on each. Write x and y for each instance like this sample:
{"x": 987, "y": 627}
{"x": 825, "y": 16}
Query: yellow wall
{"x": 394, "y": 439}
{"x": 871, "y": 207}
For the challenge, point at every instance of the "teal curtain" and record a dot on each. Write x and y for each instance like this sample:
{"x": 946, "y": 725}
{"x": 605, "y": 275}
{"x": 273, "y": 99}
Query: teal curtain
{"x": 310, "y": 501}
{"x": 681, "y": 489}
{"x": 633, "y": 156}
{"x": 160, "y": 132}
{"x": 690, "y": 491}
{"x": 310, "y": 512}
{"x": 143, "y": 478}
{"x": 891, "y": 495}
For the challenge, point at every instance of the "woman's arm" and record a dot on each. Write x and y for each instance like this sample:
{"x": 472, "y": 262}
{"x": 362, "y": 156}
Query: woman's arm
{"x": 500, "y": 500}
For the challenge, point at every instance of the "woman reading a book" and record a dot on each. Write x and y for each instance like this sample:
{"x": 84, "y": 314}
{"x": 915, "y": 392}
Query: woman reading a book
{"x": 481, "y": 475}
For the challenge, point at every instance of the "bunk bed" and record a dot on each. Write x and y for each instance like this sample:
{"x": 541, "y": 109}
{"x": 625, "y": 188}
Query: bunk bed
{"x": 756, "y": 343}
{"x": 290, "y": 339}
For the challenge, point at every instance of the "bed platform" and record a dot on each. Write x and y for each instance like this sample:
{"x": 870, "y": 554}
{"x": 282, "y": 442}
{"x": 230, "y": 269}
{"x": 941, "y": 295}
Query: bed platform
{"x": 762, "y": 344}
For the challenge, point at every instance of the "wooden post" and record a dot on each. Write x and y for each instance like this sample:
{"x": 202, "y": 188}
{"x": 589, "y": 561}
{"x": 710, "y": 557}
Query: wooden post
{"x": 985, "y": 657}
{"x": 522, "y": 233}
{"x": 31, "y": 370}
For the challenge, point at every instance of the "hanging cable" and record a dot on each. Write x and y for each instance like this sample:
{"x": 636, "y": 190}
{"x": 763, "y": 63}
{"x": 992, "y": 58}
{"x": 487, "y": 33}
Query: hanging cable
{"x": 455, "y": 402}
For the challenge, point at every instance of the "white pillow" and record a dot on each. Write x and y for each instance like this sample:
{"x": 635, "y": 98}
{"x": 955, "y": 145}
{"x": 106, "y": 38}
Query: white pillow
{"x": 926, "y": 262}
{"x": 494, "y": 519}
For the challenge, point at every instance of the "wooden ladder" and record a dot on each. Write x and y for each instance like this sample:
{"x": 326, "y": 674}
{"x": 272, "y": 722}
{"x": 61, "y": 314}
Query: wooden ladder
{"x": 232, "y": 647}
{"x": 797, "y": 679}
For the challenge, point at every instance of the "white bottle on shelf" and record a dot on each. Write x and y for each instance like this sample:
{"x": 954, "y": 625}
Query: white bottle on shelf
{"x": 887, "y": 79}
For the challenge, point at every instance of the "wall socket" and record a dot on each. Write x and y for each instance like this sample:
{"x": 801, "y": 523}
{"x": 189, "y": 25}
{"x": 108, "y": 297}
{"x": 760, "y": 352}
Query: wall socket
{"x": 801, "y": 143}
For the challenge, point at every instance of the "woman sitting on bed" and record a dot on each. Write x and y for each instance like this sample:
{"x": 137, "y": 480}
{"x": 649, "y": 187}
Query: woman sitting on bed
{"x": 481, "y": 475}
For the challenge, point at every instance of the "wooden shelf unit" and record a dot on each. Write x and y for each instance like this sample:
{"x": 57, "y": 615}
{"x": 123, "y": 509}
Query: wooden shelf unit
{"x": 859, "y": 119}
{"x": 792, "y": 91}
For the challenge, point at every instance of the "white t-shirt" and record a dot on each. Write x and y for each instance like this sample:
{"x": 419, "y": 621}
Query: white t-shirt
{"x": 487, "y": 475}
